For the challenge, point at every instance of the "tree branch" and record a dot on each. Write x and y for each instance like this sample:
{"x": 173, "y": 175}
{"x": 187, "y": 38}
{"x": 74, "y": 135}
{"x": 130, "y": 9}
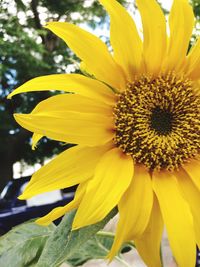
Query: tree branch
{"x": 34, "y": 4}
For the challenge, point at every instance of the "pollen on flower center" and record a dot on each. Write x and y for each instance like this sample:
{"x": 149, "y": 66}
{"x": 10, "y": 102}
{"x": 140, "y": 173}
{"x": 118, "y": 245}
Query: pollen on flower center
{"x": 157, "y": 121}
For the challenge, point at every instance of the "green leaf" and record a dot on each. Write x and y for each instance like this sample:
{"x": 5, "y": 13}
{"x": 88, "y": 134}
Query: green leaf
{"x": 22, "y": 246}
{"x": 31, "y": 245}
{"x": 98, "y": 247}
{"x": 64, "y": 243}
{"x": 95, "y": 248}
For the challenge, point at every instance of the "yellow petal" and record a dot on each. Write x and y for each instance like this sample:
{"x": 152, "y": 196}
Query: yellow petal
{"x": 177, "y": 218}
{"x": 154, "y": 28}
{"x": 35, "y": 139}
{"x": 193, "y": 170}
{"x": 68, "y": 126}
{"x": 72, "y": 102}
{"x": 181, "y": 23}
{"x": 74, "y": 83}
{"x": 71, "y": 167}
{"x": 111, "y": 179}
{"x": 134, "y": 209}
{"x": 92, "y": 51}
{"x": 124, "y": 38}
{"x": 148, "y": 244}
{"x": 60, "y": 211}
{"x": 193, "y": 61}
{"x": 192, "y": 196}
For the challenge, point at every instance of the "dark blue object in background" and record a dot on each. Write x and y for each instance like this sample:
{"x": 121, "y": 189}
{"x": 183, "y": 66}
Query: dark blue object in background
{"x": 14, "y": 211}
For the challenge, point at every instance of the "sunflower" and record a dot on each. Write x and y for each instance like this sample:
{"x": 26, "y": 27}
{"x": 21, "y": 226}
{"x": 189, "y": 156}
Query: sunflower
{"x": 136, "y": 121}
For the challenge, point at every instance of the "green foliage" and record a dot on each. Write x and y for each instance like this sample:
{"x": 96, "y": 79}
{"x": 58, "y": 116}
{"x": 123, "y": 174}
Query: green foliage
{"x": 29, "y": 245}
{"x": 95, "y": 248}
{"x": 23, "y": 245}
{"x": 59, "y": 249}
{"x": 196, "y": 8}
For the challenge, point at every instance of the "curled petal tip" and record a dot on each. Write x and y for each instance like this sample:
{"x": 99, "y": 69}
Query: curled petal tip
{"x": 75, "y": 226}
{"x": 48, "y": 24}
{"x": 110, "y": 257}
{"x": 41, "y": 222}
{"x": 19, "y": 116}
{"x": 9, "y": 96}
{"x": 21, "y": 197}
{"x": 16, "y": 116}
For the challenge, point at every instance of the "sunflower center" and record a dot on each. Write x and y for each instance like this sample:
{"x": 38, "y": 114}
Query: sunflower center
{"x": 157, "y": 121}
{"x": 161, "y": 120}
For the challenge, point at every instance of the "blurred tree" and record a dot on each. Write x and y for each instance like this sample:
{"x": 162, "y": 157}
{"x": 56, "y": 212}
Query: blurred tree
{"x": 196, "y": 7}
{"x": 27, "y": 51}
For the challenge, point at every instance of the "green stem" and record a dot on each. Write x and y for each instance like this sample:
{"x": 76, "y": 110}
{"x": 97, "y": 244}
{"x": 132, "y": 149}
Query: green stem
{"x": 104, "y": 233}
{"x": 112, "y": 235}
